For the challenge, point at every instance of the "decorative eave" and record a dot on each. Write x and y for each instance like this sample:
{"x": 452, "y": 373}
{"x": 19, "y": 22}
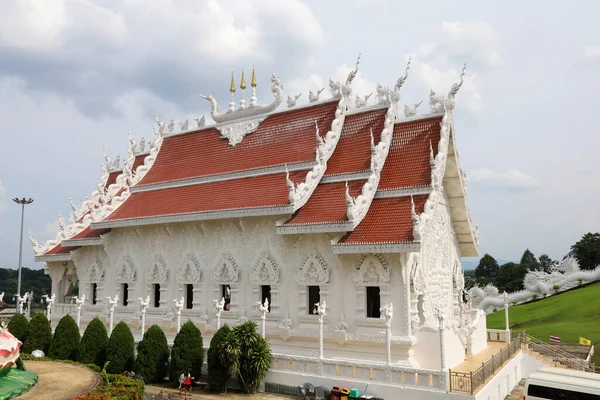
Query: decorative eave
{"x": 199, "y": 216}
{"x": 411, "y": 191}
{"x": 53, "y": 257}
{"x": 328, "y": 227}
{"x": 96, "y": 241}
{"x": 347, "y": 177}
{"x": 401, "y": 247}
{"x": 249, "y": 173}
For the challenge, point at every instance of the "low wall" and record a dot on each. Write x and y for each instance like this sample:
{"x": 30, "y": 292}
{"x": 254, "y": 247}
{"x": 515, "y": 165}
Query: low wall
{"x": 503, "y": 381}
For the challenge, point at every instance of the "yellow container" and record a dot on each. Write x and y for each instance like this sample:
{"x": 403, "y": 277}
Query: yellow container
{"x": 344, "y": 393}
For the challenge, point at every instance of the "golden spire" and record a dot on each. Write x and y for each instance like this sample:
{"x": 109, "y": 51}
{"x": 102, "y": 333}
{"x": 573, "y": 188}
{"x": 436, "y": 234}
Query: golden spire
{"x": 232, "y": 87}
{"x": 253, "y": 83}
{"x": 243, "y": 83}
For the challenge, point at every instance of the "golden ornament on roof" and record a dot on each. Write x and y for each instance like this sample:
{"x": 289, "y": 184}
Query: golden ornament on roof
{"x": 232, "y": 87}
{"x": 243, "y": 83}
{"x": 253, "y": 83}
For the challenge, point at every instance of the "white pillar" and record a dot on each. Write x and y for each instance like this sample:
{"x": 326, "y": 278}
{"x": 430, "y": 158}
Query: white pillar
{"x": 440, "y": 316}
{"x": 219, "y": 308}
{"x": 50, "y": 302}
{"x": 263, "y": 309}
{"x": 178, "y": 307}
{"x": 29, "y": 299}
{"x": 143, "y": 307}
{"x": 387, "y": 312}
{"x": 506, "y": 324}
{"x": 79, "y": 302}
{"x": 111, "y": 311}
{"x": 322, "y": 311}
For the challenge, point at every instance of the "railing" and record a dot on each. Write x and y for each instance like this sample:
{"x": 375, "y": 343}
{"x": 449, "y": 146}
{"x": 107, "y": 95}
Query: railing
{"x": 555, "y": 355}
{"x": 366, "y": 371}
{"x": 468, "y": 382}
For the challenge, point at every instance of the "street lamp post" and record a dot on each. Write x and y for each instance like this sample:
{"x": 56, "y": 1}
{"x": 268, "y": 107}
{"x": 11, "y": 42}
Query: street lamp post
{"x": 22, "y": 202}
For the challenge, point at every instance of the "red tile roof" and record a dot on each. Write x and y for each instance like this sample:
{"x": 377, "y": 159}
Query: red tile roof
{"x": 112, "y": 177}
{"x": 59, "y": 249}
{"x": 327, "y": 204}
{"x": 88, "y": 233}
{"x": 388, "y": 221}
{"x": 407, "y": 163}
{"x": 353, "y": 151}
{"x": 284, "y": 137}
{"x": 260, "y": 191}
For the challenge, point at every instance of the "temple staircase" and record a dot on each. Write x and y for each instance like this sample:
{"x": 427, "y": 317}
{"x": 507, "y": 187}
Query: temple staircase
{"x": 551, "y": 355}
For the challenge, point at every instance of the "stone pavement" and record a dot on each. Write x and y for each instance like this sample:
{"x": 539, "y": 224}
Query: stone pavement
{"x": 58, "y": 381}
{"x": 154, "y": 390}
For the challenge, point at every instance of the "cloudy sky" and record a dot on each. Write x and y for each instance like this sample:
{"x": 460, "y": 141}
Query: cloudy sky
{"x": 76, "y": 75}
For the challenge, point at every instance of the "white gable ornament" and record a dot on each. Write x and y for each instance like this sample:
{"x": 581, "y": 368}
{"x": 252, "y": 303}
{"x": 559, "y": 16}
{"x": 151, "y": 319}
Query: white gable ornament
{"x": 96, "y": 272}
{"x": 125, "y": 272}
{"x": 265, "y": 271}
{"x": 226, "y": 270}
{"x": 157, "y": 271}
{"x": 189, "y": 271}
{"x": 313, "y": 271}
{"x": 372, "y": 269}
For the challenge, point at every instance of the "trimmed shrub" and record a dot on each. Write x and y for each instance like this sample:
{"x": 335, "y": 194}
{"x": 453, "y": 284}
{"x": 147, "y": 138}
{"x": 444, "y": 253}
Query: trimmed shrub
{"x": 119, "y": 352}
{"x": 39, "y": 334}
{"x": 556, "y": 288}
{"x": 18, "y": 325}
{"x": 152, "y": 361}
{"x": 218, "y": 373}
{"x": 247, "y": 354}
{"x": 65, "y": 342}
{"x": 92, "y": 349}
{"x": 187, "y": 354}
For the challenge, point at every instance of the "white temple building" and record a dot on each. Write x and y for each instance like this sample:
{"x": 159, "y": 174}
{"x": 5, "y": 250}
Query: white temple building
{"x": 349, "y": 218}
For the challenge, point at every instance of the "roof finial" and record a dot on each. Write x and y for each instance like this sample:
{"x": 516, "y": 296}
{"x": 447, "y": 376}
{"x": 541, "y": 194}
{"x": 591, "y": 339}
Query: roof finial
{"x": 402, "y": 79}
{"x": 253, "y": 83}
{"x": 456, "y": 86}
{"x": 232, "y": 86}
{"x": 243, "y": 83}
{"x": 253, "y": 98}
{"x": 232, "y": 90}
{"x": 243, "y": 87}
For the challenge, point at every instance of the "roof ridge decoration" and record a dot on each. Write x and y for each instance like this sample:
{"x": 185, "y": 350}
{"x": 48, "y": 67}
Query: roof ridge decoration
{"x": 358, "y": 207}
{"x": 102, "y": 202}
{"x": 314, "y": 97}
{"x": 299, "y": 194}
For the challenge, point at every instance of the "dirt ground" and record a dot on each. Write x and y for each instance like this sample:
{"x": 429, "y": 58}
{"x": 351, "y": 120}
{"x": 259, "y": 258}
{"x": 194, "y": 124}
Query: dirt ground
{"x": 198, "y": 395}
{"x": 58, "y": 381}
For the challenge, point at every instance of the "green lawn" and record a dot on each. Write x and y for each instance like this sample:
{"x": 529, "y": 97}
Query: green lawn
{"x": 568, "y": 315}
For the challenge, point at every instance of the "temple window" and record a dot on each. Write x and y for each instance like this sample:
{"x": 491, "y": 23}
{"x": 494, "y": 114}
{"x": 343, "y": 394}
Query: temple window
{"x": 125, "y": 293}
{"x": 189, "y": 296}
{"x": 226, "y": 294}
{"x": 314, "y": 297}
{"x": 156, "y": 295}
{"x": 265, "y": 291}
{"x": 373, "y": 302}
{"x": 94, "y": 291}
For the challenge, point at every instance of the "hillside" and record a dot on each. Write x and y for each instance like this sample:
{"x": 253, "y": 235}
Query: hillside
{"x": 568, "y": 315}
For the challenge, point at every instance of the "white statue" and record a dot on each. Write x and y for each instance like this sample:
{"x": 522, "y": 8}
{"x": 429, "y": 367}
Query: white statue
{"x": 291, "y": 102}
{"x": 411, "y": 111}
{"x": 361, "y": 102}
{"x": 200, "y": 122}
{"x": 184, "y": 125}
{"x": 314, "y": 97}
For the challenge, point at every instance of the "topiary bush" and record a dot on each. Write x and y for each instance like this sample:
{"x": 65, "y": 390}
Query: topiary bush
{"x": 92, "y": 349}
{"x": 119, "y": 352}
{"x": 39, "y": 334}
{"x": 187, "y": 354}
{"x": 65, "y": 342}
{"x": 18, "y": 325}
{"x": 218, "y": 372}
{"x": 247, "y": 354}
{"x": 152, "y": 361}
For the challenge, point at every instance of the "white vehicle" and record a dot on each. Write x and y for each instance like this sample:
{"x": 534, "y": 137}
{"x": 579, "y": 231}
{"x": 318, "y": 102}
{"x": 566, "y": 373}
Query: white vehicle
{"x": 562, "y": 385}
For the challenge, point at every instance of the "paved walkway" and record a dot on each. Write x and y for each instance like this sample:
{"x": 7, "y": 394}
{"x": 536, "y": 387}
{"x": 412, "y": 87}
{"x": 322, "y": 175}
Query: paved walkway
{"x": 58, "y": 381}
{"x": 473, "y": 362}
{"x": 155, "y": 389}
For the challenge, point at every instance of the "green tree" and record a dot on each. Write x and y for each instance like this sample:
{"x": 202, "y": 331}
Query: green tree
{"x": 529, "y": 261}
{"x": 92, "y": 349}
{"x": 510, "y": 277}
{"x": 218, "y": 372}
{"x": 119, "y": 351}
{"x": 39, "y": 334}
{"x": 545, "y": 263}
{"x": 487, "y": 268}
{"x": 153, "y": 355}
{"x": 187, "y": 354}
{"x": 65, "y": 342}
{"x": 587, "y": 251}
{"x": 18, "y": 326}
{"x": 247, "y": 354}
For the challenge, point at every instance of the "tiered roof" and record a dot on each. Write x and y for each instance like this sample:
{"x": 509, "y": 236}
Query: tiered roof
{"x": 365, "y": 173}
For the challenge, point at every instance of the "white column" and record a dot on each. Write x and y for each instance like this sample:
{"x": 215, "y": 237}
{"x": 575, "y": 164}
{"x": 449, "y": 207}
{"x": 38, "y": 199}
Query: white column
{"x": 178, "y": 307}
{"x": 322, "y": 311}
{"x": 440, "y": 316}
{"x": 79, "y": 302}
{"x": 50, "y": 302}
{"x": 111, "y": 312}
{"x": 143, "y": 307}
{"x": 263, "y": 309}
{"x": 387, "y": 312}
{"x": 219, "y": 308}
{"x": 506, "y": 324}
{"x": 29, "y": 299}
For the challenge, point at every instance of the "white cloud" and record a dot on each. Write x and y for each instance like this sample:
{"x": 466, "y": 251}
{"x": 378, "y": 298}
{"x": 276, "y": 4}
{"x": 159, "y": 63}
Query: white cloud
{"x": 51, "y": 229}
{"x": 511, "y": 179}
{"x": 438, "y": 64}
{"x": 591, "y": 52}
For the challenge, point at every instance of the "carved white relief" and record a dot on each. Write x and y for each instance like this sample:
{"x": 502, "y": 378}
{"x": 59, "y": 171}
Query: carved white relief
{"x": 314, "y": 97}
{"x": 157, "y": 270}
{"x": 373, "y": 269}
{"x": 236, "y": 131}
{"x": 312, "y": 271}
{"x": 189, "y": 271}
{"x": 265, "y": 271}
{"x": 96, "y": 272}
{"x": 291, "y": 101}
{"x": 226, "y": 270}
{"x": 125, "y": 271}
{"x": 411, "y": 111}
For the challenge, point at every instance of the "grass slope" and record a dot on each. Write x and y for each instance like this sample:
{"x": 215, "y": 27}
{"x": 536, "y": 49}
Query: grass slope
{"x": 568, "y": 315}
